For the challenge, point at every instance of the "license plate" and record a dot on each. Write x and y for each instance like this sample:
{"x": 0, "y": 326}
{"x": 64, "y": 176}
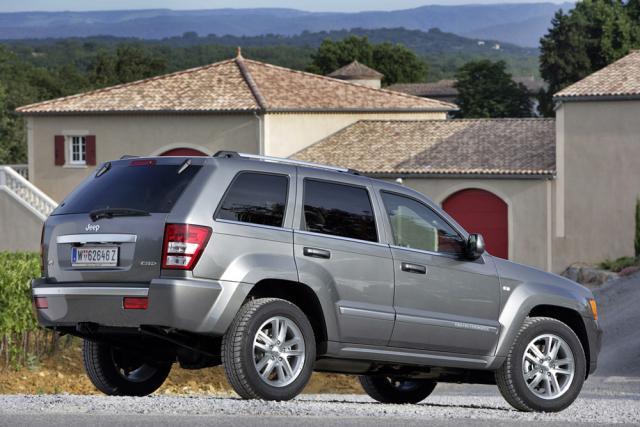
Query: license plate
{"x": 94, "y": 256}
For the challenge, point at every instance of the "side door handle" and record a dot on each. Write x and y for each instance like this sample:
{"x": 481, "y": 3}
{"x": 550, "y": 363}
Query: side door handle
{"x": 413, "y": 268}
{"x": 316, "y": 253}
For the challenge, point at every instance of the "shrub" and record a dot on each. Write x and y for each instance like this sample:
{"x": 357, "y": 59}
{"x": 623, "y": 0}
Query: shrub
{"x": 618, "y": 264}
{"x": 22, "y": 339}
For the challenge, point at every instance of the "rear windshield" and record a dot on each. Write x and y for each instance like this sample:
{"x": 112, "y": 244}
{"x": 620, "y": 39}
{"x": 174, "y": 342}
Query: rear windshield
{"x": 151, "y": 188}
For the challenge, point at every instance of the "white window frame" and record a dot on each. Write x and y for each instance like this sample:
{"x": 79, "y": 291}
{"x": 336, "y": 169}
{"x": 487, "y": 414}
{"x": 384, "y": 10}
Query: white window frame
{"x": 81, "y": 159}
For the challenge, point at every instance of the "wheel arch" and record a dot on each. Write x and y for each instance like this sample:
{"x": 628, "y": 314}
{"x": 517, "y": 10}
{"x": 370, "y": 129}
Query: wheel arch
{"x": 302, "y": 296}
{"x": 540, "y": 299}
{"x": 569, "y": 317}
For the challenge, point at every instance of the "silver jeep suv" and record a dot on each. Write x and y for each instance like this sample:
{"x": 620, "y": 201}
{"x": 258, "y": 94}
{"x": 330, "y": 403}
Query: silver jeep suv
{"x": 276, "y": 268}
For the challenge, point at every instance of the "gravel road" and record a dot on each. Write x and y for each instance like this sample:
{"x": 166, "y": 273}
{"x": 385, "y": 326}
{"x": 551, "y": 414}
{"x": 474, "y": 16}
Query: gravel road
{"x": 603, "y": 401}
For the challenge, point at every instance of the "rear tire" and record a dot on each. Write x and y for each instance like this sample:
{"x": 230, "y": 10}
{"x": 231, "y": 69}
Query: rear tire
{"x": 545, "y": 368}
{"x": 395, "y": 390}
{"x": 269, "y": 350}
{"x": 116, "y": 372}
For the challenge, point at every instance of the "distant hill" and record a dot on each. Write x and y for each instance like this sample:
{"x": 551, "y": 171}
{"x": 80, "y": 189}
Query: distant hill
{"x": 445, "y": 52}
{"x": 521, "y": 23}
{"x": 512, "y": 31}
{"x": 422, "y": 42}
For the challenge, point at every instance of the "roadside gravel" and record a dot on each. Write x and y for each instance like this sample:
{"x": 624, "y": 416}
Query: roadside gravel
{"x": 604, "y": 401}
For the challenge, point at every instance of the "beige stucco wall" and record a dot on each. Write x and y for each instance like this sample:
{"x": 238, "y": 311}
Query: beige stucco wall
{"x": 528, "y": 201}
{"x": 600, "y": 182}
{"x": 288, "y": 133}
{"x": 20, "y": 228}
{"x": 374, "y": 83}
{"x": 117, "y": 135}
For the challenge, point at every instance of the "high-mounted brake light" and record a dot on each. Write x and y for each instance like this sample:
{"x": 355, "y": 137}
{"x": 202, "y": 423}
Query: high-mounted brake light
{"x": 142, "y": 162}
{"x": 183, "y": 245}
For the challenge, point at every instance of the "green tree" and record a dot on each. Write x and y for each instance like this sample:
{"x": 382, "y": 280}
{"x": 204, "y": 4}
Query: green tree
{"x": 103, "y": 70}
{"x": 129, "y": 63}
{"x": 486, "y": 89}
{"x": 592, "y": 35}
{"x": 398, "y": 63}
{"x": 135, "y": 62}
{"x": 332, "y": 55}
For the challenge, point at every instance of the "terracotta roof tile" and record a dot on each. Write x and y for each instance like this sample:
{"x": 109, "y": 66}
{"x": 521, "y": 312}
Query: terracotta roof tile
{"x": 622, "y": 78}
{"x": 440, "y": 88}
{"x": 445, "y": 88}
{"x": 215, "y": 87}
{"x": 236, "y": 85}
{"x": 286, "y": 89}
{"x": 355, "y": 70}
{"x": 474, "y": 146}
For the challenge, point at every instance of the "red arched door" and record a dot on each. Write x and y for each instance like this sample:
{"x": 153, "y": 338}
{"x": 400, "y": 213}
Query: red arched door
{"x": 480, "y": 211}
{"x": 183, "y": 152}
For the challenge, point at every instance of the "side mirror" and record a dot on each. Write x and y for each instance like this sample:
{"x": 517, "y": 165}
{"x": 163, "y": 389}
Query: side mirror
{"x": 475, "y": 246}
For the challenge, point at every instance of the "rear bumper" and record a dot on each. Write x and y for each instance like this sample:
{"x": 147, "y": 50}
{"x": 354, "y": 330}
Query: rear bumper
{"x": 194, "y": 305}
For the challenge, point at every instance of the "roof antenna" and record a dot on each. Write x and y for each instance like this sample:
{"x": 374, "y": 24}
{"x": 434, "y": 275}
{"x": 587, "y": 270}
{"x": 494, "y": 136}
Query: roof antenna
{"x": 239, "y": 53}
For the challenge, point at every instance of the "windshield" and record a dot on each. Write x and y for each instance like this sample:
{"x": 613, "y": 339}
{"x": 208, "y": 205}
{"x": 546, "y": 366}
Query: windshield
{"x": 147, "y": 187}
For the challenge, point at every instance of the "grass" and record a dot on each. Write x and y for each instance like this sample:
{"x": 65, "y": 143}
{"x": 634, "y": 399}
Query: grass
{"x": 619, "y": 264}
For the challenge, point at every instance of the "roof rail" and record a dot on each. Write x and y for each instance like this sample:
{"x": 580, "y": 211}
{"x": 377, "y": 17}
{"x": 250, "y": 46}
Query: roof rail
{"x": 128, "y": 156}
{"x": 230, "y": 154}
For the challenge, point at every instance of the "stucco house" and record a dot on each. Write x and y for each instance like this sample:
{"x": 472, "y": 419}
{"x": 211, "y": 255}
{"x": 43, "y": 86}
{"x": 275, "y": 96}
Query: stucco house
{"x": 544, "y": 192}
{"x": 238, "y": 104}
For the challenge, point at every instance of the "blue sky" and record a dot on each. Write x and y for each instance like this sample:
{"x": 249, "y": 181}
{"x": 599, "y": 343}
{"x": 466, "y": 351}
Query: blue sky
{"x": 313, "y": 5}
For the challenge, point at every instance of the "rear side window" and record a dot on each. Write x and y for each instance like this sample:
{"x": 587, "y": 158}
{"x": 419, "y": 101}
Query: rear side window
{"x": 144, "y": 185}
{"x": 256, "y": 198}
{"x": 339, "y": 210}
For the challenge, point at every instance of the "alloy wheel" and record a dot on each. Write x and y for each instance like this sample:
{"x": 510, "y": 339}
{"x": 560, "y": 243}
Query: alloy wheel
{"x": 278, "y": 351}
{"x": 548, "y": 366}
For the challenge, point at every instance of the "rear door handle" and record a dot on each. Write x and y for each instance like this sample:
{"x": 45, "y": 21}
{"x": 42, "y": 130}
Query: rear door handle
{"x": 316, "y": 253}
{"x": 413, "y": 268}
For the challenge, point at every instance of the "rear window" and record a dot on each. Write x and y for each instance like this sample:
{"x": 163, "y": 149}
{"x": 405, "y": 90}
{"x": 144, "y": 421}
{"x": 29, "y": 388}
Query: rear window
{"x": 338, "y": 210}
{"x": 256, "y": 198}
{"x": 151, "y": 187}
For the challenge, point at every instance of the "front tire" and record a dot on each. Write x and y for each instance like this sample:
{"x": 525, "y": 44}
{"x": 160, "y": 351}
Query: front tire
{"x": 545, "y": 368}
{"x": 117, "y": 372}
{"x": 386, "y": 389}
{"x": 269, "y": 350}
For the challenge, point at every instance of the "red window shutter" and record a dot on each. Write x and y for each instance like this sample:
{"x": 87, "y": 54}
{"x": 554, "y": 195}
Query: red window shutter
{"x": 90, "y": 155}
{"x": 58, "y": 141}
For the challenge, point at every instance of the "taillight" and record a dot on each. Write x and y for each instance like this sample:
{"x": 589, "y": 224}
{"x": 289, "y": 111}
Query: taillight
{"x": 183, "y": 245}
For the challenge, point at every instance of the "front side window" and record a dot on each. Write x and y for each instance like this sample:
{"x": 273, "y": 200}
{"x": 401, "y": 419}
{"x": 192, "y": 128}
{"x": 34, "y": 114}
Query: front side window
{"x": 77, "y": 150}
{"x": 256, "y": 198}
{"x": 416, "y": 226}
{"x": 338, "y": 210}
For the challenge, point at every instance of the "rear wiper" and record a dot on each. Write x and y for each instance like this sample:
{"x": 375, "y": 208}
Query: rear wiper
{"x": 111, "y": 212}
